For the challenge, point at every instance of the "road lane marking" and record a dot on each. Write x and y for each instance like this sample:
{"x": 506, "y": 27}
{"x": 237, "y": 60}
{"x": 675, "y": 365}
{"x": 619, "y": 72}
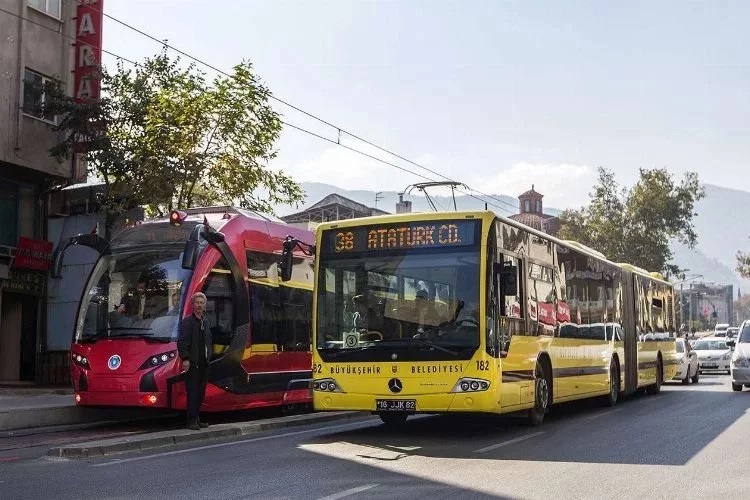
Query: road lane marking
{"x": 349, "y": 492}
{"x": 509, "y": 442}
{"x": 603, "y": 414}
{"x": 232, "y": 443}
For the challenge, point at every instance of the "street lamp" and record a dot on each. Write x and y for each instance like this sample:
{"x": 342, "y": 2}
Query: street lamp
{"x": 690, "y": 299}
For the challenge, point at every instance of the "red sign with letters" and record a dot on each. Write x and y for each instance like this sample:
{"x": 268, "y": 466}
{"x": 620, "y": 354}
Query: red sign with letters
{"x": 88, "y": 49}
{"x": 35, "y": 255}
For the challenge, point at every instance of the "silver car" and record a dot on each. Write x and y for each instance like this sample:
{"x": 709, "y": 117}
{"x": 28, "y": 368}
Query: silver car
{"x": 687, "y": 369}
{"x": 741, "y": 357}
{"x": 713, "y": 354}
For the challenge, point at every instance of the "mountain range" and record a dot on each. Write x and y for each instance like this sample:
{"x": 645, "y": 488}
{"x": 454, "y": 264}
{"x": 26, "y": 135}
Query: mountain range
{"x": 721, "y": 228}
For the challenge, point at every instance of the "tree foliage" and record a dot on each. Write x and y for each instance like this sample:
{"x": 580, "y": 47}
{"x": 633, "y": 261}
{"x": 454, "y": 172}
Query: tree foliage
{"x": 163, "y": 137}
{"x": 743, "y": 264}
{"x": 635, "y": 225}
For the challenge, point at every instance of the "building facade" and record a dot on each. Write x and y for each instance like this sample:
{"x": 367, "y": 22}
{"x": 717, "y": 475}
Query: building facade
{"x": 36, "y": 46}
{"x": 531, "y": 213}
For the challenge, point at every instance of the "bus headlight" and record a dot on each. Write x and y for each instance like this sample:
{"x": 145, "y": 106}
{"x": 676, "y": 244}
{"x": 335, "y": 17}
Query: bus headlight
{"x": 471, "y": 385}
{"x": 326, "y": 385}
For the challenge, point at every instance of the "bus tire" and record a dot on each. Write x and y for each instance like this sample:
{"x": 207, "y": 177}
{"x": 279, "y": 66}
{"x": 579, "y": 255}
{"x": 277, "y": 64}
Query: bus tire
{"x": 656, "y": 387}
{"x": 393, "y": 419}
{"x": 542, "y": 386}
{"x": 614, "y": 383}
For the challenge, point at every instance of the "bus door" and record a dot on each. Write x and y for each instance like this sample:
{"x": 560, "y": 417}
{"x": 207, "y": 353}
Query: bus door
{"x": 630, "y": 337}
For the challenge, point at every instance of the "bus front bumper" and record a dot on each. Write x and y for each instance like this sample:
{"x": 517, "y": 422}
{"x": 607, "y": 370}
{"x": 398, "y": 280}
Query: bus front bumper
{"x": 481, "y": 401}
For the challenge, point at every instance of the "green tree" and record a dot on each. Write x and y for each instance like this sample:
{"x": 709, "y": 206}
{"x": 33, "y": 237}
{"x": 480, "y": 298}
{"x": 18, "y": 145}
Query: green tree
{"x": 163, "y": 137}
{"x": 635, "y": 225}
{"x": 743, "y": 264}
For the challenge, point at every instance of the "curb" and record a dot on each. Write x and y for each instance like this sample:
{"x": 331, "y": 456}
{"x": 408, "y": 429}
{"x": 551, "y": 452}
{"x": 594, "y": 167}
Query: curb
{"x": 25, "y": 419}
{"x": 182, "y": 436}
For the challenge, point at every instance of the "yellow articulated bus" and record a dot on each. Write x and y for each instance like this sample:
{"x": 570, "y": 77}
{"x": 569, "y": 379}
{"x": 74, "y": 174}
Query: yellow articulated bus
{"x": 472, "y": 312}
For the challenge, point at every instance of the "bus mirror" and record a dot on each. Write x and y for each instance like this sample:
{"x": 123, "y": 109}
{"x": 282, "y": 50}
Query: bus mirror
{"x": 286, "y": 262}
{"x": 190, "y": 254}
{"x": 508, "y": 274}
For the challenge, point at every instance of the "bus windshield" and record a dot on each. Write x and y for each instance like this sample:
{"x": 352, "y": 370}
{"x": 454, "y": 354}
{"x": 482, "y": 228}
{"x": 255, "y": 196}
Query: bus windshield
{"x": 134, "y": 294}
{"x": 404, "y": 300}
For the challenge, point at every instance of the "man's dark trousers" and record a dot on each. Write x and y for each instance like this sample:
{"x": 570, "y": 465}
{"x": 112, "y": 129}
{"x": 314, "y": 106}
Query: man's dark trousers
{"x": 195, "y": 385}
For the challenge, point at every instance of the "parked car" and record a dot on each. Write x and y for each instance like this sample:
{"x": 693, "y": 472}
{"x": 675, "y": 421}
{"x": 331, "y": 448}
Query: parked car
{"x": 687, "y": 369}
{"x": 741, "y": 357}
{"x": 713, "y": 354}
{"x": 720, "y": 330}
{"x": 732, "y": 332}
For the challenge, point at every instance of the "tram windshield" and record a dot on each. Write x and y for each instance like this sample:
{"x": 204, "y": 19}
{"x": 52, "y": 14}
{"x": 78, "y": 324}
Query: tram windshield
{"x": 134, "y": 294}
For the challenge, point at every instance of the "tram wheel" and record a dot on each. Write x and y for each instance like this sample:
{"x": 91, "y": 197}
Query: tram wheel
{"x": 394, "y": 419}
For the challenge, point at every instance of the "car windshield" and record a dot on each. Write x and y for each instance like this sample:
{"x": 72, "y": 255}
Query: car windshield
{"x": 745, "y": 335}
{"x": 710, "y": 345}
{"x": 133, "y": 294}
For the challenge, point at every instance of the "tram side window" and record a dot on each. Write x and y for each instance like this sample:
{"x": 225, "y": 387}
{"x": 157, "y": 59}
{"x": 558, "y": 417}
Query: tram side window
{"x": 219, "y": 290}
{"x": 295, "y": 329}
{"x": 265, "y": 307}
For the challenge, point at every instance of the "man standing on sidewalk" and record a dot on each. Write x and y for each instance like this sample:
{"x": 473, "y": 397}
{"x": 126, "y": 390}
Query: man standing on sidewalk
{"x": 194, "y": 346}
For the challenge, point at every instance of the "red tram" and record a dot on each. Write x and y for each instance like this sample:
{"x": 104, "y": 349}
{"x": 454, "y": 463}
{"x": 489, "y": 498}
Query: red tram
{"x": 124, "y": 350}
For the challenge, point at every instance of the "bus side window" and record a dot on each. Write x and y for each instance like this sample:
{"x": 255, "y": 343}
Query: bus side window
{"x": 511, "y": 320}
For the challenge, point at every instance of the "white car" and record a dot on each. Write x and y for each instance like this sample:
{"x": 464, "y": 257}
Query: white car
{"x": 687, "y": 369}
{"x": 741, "y": 358}
{"x": 713, "y": 354}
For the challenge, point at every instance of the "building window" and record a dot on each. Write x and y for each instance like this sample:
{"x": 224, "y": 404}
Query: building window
{"x": 8, "y": 213}
{"x": 51, "y": 7}
{"x": 33, "y": 95}
{"x": 526, "y": 206}
{"x": 539, "y": 206}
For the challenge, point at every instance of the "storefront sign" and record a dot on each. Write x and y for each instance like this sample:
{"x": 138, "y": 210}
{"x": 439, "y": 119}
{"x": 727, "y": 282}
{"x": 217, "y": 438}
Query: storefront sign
{"x": 26, "y": 282}
{"x": 35, "y": 255}
{"x": 88, "y": 49}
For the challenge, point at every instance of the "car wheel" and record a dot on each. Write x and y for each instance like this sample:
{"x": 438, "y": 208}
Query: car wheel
{"x": 686, "y": 380}
{"x": 736, "y": 387}
{"x": 696, "y": 377}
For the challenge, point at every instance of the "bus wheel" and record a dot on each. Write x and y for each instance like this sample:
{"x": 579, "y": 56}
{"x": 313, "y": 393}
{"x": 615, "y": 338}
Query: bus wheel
{"x": 541, "y": 396}
{"x": 655, "y": 388}
{"x": 614, "y": 383}
{"x": 394, "y": 419}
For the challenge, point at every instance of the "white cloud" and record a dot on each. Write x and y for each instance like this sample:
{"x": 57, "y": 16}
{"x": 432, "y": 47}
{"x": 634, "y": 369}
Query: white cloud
{"x": 563, "y": 185}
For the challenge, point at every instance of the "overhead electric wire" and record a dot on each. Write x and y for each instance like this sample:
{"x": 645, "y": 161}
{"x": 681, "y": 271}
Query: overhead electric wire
{"x": 339, "y": 129}
{"x": 300, "y": 110}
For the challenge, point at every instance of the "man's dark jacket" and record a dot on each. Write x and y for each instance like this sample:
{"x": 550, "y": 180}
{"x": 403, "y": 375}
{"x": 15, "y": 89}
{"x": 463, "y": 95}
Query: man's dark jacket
{"x": 192, "y": 343}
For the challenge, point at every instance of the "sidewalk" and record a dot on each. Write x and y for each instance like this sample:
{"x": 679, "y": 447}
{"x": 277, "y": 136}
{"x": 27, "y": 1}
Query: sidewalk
{"x": 27, "y": 407}
{"x": 149, "y": 441}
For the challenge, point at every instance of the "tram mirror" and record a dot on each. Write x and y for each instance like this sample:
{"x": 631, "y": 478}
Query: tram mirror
{"x": 56, "y": 271}
{"x": 286, "y": 261}
{"x": 190, "y": 254}
{"x": 508, "y": 274}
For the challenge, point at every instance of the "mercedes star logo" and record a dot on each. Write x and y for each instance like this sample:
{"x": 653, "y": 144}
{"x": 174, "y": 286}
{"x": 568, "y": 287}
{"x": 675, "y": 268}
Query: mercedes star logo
{"x": 395, "y": 385}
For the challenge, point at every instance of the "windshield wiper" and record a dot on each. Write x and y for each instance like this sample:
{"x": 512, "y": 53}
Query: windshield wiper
{"x": 433, "y": 345}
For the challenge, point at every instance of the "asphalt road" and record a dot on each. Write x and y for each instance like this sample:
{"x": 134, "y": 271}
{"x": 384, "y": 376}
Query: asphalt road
{"x": 687, "y": 442}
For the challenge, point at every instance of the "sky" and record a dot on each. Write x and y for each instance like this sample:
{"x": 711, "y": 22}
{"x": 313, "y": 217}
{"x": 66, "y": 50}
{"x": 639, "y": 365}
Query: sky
{"x": 498, "y": 95}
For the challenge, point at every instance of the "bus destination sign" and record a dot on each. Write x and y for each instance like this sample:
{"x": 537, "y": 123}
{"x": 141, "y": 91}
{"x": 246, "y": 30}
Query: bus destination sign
{"x": 424, "y": 234}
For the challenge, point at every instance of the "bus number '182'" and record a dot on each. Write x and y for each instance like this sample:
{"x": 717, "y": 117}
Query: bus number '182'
{"x": 483, "y": 365}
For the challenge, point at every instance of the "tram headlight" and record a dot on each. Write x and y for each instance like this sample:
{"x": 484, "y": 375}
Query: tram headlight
{"x": 471, "y": 385}
{"x": 158, "y": 360}
{"x": 327, "y": 385}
